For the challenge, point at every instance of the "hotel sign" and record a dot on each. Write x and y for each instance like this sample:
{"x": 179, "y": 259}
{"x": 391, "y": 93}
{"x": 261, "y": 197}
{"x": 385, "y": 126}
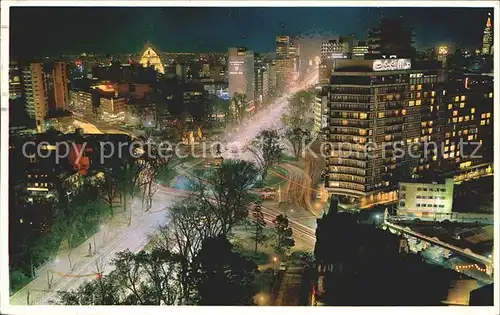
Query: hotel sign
{"x": 391, "y": 64}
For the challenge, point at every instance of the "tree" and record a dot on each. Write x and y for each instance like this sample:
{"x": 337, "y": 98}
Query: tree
{"x": 283, "y": 232}
{"x": 226, "y": 194}
{"x": 238, "y": 107}
{"x": 223, "y": 277}
{"x": 259, "y": 224}
{"x": 266, "y": 149}
{"x": 297, "y": 138}
{"x": 299, "y": 105}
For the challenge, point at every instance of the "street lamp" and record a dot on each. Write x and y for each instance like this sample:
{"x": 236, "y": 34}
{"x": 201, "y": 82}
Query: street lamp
{"x": 274, "y": 262}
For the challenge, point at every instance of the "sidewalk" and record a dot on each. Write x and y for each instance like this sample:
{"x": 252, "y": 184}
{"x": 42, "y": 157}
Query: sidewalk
{"x": 75, "y": 264}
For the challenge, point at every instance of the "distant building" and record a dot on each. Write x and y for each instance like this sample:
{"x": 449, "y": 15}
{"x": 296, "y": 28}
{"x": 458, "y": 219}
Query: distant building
{"x": 15, "y": 88}
{"x": 442, "y": 55}
{"x": 391, "y": 38}
{"x": 180, "y": 71}
{"x": 487, "y": 44}
{"x": 151, "y": 58}
{"x": 360, "y": 50}
{"x": 81, "y": 102}
{"x": 241, "y": 73}
{"x": 320, "y": 108}
{"x": 426, "y": 200}
{"x": 285, "y": 62}
{"x": 35, "y": 94}
{"x": 112, "y": 108}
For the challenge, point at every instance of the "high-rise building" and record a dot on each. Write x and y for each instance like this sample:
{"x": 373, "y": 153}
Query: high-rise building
{"x": 360, "y": 50}
{"x": 241, "y": 73}
{"x": 261, "y": 79}
{"x": 331, "y": 50}
{"x": 391, "y": 38}
{"x": 60, "y": 78}
{"x": 15, "y": 89}
{"x": 35, "y": 96}
{"x": 373, "y": 114}
{"x": 469, "y": 120}
{"x": 487, "y": 45}
{"x": 285, "y": 60}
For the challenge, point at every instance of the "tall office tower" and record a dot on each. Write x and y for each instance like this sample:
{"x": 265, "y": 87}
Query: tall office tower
{"x": 442, "y": 55}
{"x": 241, "y": 73}
{"x": 15, "y": 89}
{"x": 391, "y": 38}
{"x": 61, "y": 94}
{"x": 284, "y": 63}
{"x": 35, "y": 93}
{"x": 371, "y": 120}
{"x": 261, "y": 72}
{"x": 487, "y": 47}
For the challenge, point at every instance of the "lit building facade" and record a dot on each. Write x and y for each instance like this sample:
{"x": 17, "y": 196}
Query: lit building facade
{"x": 151, "y": 58}
{"x": 285, "y": 60}
{"x": 469, "y": 120}
{"x": 442, "y": 55}
{"x": 35, "y": 94}
{"x": 112, "y": 108}
{"x": 81, "y": 102}
{"x": 60, "y": 86}
{"x": 360, "y": 50}
{"x": 241, "y": 73}
{"x": 426, "y": 200}
{"x": 487, "y": 44}
{"x": 320, "y": 108}
{"x": 372, "y": 108}
{"x": 15, "y": 88}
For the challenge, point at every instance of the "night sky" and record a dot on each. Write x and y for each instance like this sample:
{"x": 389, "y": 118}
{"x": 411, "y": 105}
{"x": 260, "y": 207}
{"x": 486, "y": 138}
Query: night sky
{"x": 52, "y": 31}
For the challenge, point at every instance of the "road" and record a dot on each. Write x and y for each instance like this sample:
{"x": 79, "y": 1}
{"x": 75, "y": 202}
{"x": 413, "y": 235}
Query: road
{"x": 115, "y": 237}
{"x": 68, "y": 273}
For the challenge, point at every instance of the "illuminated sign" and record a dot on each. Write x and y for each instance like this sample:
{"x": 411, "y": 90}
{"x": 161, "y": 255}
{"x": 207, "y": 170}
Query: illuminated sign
{"x": 391, "y": 64}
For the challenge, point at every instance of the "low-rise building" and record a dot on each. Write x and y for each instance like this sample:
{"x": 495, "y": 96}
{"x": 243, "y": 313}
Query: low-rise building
{"x": 426, "y": 200}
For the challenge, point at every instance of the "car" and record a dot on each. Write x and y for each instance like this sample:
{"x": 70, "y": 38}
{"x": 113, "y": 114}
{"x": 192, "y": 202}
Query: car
{"x": 283, "y": 266}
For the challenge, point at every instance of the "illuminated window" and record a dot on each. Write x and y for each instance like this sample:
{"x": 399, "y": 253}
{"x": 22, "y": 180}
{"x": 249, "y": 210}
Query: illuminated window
{"x": 457, "y": 98}
{"x": 411, "y": 103}
{"x": 452, "y": 147}
{"x": 450, "y": 106}
{"x": 344, "y": 122}
{"x": 459, "y": 133}
{"x": 447, "y": 141}
{"x": 452, "y": 154}
{"x": 363, "y": 115}
{"x": 432, "y": 101}
{"x": 412, "y": 87}
{"x": 423, "y": 124}
{"x": 453, "y": 134}
{"x": 430, "y": 130}
{"x": 460, "y": 119}
{"x": 426, "y": 94}
{"x": 418, "y": 102}
{"x": 381, "y": 115}
{"x": 362, "y": 132}
{"x": 462, "y": 98}
{"x": 471, "y": 137}
{"x": 483, "y": 116}
{"x": 488, "y": 115}
{"x": 490, "y": 95}
{"x": 472, "y": 110}
{"x": 444, "y": 92}
{"x": 471, "y": 117}
{"x": 455, "y": 112}
{"x": 419, "y": 87}
{"x": 483, "y": 122}
{"x": 487, "y": 121}
{"x": 445, "y": 155}
{"x": 462, "y": 105}
{"x": 446, "y": 149}
{"x": 455, "y": 119}
{"x": 418, "y": 94}
{"x": 403, "y": 112}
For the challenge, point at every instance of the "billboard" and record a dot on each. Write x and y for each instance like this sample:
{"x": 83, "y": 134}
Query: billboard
{"x": 391, "y": 64}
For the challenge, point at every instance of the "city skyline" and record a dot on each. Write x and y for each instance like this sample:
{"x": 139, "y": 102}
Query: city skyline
{"x": 126, "y": 30}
